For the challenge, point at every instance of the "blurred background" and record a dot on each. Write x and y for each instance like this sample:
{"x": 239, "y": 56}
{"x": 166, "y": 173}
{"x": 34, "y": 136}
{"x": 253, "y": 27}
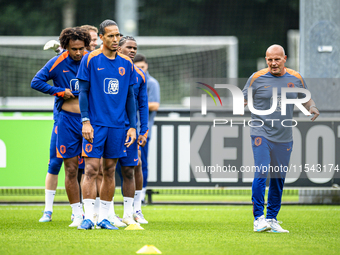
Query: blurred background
{"x": 182, "y": 39}
{"x": 255, "y": 24}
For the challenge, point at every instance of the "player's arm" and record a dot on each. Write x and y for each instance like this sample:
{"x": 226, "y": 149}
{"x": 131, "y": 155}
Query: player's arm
{"x": 311, "y": 107}
{"x": 131, "y": 113}
{"x": 154, "y": 96}
{"x": 245, "y": 91}
{"x": 87, "y": 130}
{"x": 39, "y": 83}
{"x": 143, "y": 114}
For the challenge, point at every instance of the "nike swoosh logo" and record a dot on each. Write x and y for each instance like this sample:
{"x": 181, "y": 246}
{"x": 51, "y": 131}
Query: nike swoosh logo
{"x": 99, "y": 69}
{"x": 289, "y": 149}
{"x": 266, "y": 87}
{"x": 124, "y": 151}
{"x": 66, "y": 71}
{"x": 135, "y": 159}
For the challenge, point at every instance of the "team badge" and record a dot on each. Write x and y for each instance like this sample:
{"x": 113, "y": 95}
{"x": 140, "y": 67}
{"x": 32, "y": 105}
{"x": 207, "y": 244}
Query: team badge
{"x": 121, "y": 71}
{"x": 290, "y": 85}
{"x": 88, "y": 148}
{"x": 258, "y": 141}
{"x": 74, "y": 85}
{"x": 111, "y": 86}
{"x": 62, "y": 149}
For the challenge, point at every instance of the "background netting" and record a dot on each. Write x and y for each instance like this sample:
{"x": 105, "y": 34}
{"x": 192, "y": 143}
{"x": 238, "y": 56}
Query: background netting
{"x": 172, "y": 66}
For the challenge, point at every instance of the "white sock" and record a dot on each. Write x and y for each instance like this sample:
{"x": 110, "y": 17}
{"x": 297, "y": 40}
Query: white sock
{"x": 128, "y": 208}
{"x": 143, "y": 194}
{"x": 89, "y": 207}
{"x": 137, "y": 201}
{"x": 112, "y": 209}
{"x": 77, "y": 209}
{"x": 49, "y": 198}
{"x": 96, "y": 205}
{"x": 103, "y": 210}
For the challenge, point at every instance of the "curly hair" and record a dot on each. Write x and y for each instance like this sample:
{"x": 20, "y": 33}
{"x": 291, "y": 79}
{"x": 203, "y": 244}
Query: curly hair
{"x": 124, "y": 39}
{"x": 74, "y": 33}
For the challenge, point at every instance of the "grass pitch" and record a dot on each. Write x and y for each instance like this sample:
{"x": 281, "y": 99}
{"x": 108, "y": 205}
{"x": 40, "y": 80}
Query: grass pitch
{"x": 174, "y": 230}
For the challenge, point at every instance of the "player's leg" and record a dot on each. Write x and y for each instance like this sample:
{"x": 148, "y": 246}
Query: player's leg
{"x": 106, "y": 193}
{"x": 280, "y": 160}
{"x": 137, "y": 203}
{"x": 99, "y": 181}
{"x": 69, "y": 141}
{"x": 92, "y": 153}
{"x": 129, "y": 192}
{"x": 89, "y": 190}
{"x": 81, "y": 171}
{"x": 119, "y": 172}
{"x": 144, "y": 157}
{"x": 261, "y": 150}
{"x": 128, "y": 164}
{"x": 113, "y": 217}
{"x": 51, "y": 181}
{"x": 72, "y": 189}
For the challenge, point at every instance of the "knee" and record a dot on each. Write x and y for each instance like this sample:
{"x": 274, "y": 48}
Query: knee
{"x": 109, "y": 171}
{"x": 71, "y": 171}
{"x": 91, "y": 171}
{"x": 128, "y": 172}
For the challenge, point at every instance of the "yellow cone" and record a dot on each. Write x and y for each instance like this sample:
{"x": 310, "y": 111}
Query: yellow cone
{"x": 134, "y": 227}
{"x": 149, "y": 249}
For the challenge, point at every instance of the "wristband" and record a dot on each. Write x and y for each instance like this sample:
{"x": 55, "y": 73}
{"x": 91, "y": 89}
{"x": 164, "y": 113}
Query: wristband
{"x": 85, "y": 119}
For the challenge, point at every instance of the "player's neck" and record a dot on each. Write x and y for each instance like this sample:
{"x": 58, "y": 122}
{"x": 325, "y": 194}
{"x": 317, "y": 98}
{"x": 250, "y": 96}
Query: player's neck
{"x": 109, "y": 53}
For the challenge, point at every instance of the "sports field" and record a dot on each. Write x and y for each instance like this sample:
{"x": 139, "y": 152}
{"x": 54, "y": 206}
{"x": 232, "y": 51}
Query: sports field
{"x": 174, "y": 230}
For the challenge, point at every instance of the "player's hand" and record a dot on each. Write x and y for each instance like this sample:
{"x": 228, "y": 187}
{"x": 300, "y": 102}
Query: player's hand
{"x": 141, "y": 140}
{"x": 131, "y": 135}
{"x": 87, "y": 131}
{"x": 68, "y": 94}
{"x": 315, "y": 111}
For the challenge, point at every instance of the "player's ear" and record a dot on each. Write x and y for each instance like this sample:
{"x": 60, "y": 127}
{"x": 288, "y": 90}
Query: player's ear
{"x": 119, "y": 49}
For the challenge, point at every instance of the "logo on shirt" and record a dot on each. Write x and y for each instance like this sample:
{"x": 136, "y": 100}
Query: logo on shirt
{"x": 88, "y": 148}
{"x": 111, "y": 86}
{"x": 290, "y": 85}
{"x": 62, "y": 149}
{"x": 80, "y": 160}
{"x": 121, "y": 71}
{"x": 74, "y": 85}
{"x": 66, "y": 71}
{"x": 258, "y": 141}
{"x": 100, "y": 68}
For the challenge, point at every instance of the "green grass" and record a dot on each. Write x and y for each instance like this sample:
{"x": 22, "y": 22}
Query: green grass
{"x": 165, "y": 196}
{"x": 174, "y": 230}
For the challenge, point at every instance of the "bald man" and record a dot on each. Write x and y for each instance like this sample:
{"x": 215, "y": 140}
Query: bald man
{"x": 271, "y": 141}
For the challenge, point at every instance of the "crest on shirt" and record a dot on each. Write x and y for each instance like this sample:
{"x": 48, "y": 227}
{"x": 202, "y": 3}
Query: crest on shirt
{"x": 88, "y": 148}
{"x": 121, "y": 71}
{"x": 62, "y": 149}
{"x": 74, "y": 85}
{"x": 258, "y": 141}
{"x": 290, "y": 85}
{"x": 111, "y": 86}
